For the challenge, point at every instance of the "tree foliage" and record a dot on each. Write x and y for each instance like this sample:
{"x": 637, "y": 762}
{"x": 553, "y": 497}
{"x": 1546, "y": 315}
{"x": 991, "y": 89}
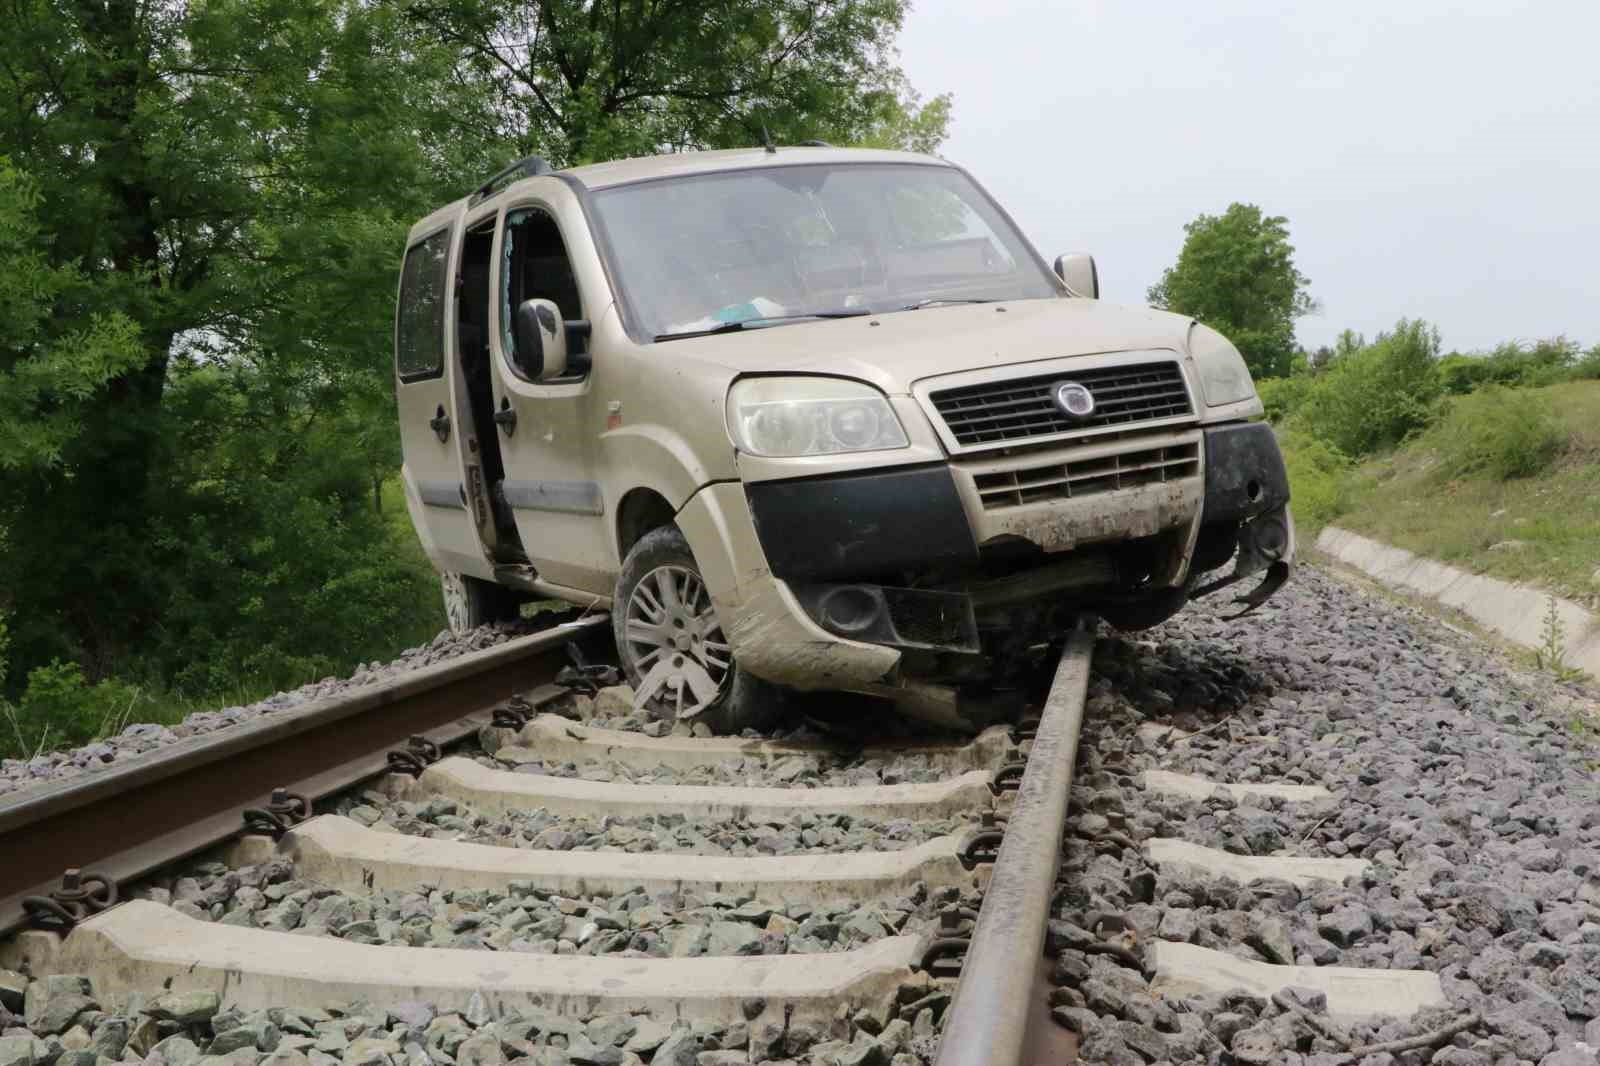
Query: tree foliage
{"x": 50, "y": 366}
{"x": 581, "y": 80}
{"x": 1375, "y": 396}
{"x": 1513, "y": 363}
{"x": 1236, "y": 273}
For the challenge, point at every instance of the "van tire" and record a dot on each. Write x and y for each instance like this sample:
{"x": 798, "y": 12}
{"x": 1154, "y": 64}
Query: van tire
{"x": 470, "y": 602}
{"x": 744, "y": 701}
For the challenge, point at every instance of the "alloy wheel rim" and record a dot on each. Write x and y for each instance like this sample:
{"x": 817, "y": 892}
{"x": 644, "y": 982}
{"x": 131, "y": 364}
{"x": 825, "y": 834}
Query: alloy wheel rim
{"x": 455, "y": 602}
{"x": 675, "y": 641}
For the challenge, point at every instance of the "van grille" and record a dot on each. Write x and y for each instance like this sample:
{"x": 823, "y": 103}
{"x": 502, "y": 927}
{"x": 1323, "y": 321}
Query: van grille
{"x": 1024, "y": 407}
{"x": 1065, "y": 480}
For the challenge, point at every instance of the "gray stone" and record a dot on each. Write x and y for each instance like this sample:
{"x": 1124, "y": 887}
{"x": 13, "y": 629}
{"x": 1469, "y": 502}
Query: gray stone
{"x": 111, "y": 1037}
{"x": 648, "y": 1035}
{"x": 681, "y": 1048}
{"x": 1270, "y": 936}
{"x": 1256, "y": 1045}
{"x": 185, "y": 1008}
{"x": 589, "y": 1055}
{"x": 57, "y": 1012}
{"x": 1179, "y": 924}
{"x": 260, "y": 1034}
{"x": 480, "y": 1050}
{"x": 176, "y": 1051}
{"x": 614, "y": 701}
{"x": 413, "y": 1013}
{"x": 1568, "y": 1056}
{"x": 370, "y": 1051}
{"x": 477, "y": 1013}
{"x": 286, "y": 1056}
{"x": 611, "y": 1030}
{"x": 734, "y": 938}
{"x": 146, "y": 1032}
{"x": 83, "y": 1057}
{"x": 16, "y": 1051}
{"x": 1527, "y": 1040}
{"x": 1346, "y": 926}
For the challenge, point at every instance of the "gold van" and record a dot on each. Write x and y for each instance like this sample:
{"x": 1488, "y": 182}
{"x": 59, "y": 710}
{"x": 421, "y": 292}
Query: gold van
{"x": 812, "y": 418}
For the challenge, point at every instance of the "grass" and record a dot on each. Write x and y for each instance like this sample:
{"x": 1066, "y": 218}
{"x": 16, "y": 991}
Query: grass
{"x": 1541, "y": 530}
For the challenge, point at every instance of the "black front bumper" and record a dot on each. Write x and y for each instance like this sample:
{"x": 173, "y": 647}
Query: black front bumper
{"x": 1245, "y": 475}
{"x": 849, "y": 526}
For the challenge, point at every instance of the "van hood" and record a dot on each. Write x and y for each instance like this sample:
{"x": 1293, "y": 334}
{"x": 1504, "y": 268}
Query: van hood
{"x": 895, "y": 351}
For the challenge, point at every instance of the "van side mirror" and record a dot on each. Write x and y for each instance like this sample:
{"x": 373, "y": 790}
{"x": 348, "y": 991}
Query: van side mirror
{"x": 1077, "y": 270}
{"x": 541, "y": 340}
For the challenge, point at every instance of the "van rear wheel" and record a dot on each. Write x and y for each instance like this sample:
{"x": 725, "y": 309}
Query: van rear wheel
{"x": 470, "y": 602}
{"x": 672, "y": 646}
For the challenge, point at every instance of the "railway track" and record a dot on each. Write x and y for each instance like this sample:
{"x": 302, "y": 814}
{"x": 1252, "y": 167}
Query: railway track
{"x": 567, "y": 894}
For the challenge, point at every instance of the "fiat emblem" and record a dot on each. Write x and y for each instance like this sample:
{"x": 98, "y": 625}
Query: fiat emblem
{"x": 1074, "y": 399}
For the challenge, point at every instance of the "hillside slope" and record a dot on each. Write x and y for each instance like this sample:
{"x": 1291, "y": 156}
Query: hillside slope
{"x": 1542, "y": 530}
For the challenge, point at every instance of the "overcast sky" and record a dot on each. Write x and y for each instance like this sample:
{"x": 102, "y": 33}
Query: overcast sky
{"x": 1435, "y": 160}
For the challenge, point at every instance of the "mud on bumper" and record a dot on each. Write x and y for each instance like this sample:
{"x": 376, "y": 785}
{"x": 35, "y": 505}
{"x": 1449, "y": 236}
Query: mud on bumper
{"x": 839, "y": 540}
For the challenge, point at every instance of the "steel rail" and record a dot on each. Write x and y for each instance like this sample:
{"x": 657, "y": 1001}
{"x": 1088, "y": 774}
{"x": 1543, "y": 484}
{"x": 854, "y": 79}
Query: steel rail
{"x": 160, "y": 806}
{"x": 987, "y": 1024}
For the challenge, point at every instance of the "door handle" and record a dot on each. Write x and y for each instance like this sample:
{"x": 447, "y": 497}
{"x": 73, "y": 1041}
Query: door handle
{"x": 506, "y": 417}
{"x": 440, "y": 423}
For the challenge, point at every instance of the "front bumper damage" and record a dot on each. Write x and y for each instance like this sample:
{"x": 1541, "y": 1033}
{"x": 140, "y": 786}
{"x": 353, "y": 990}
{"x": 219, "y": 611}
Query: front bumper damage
{"x": 805, "y": 572}
{"x": 1248, "y": 485}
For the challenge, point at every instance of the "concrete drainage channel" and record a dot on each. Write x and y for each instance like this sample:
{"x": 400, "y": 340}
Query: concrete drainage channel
{"x": 505, "y": 905}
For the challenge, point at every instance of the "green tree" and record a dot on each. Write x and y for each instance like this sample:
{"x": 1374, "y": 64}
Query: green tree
{"x": 1236, "y": 273}
{"x": 224, "y": 184}
{"x": 578, "y": 81}
{"x": 50, "y": 365}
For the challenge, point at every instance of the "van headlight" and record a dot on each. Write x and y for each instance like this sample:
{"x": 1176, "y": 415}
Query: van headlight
{"x": 795, "y": 416}
{"x": 1223, "y": 376}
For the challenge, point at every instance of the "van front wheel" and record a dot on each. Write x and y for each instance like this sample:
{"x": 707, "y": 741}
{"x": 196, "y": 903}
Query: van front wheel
{"x": 470, "y": 602}
{"x": 672, "y": 646}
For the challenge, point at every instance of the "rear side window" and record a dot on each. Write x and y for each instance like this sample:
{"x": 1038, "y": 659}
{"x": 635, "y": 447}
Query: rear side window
{"x": 419, "y": 329}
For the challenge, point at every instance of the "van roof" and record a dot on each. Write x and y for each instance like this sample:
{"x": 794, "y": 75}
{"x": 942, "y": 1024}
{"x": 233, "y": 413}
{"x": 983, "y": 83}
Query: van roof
{"x": 678, "y": 164}
{"x": 625, "y": 171}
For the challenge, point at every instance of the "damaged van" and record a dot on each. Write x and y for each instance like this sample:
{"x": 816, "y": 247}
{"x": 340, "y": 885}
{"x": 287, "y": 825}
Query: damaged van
{"x": 812, "y": 418}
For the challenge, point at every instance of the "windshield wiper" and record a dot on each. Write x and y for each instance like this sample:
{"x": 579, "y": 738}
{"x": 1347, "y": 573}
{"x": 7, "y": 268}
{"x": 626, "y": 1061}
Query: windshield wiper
{"x": 938, "y": 300}
{"x": 764, "y": 321}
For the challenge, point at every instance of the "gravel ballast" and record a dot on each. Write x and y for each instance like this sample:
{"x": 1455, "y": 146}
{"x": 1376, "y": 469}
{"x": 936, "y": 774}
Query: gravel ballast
{"x": 528, "y": 918}
{"x": 1474, "y": 806}
{"x": 790, "y": 771}
{"x": 440, "y": 818}
{"x": 58, "y": 1022}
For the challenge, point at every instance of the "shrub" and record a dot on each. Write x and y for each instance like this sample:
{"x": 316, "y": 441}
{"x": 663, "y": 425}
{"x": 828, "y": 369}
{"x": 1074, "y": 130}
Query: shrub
{"x": 1282, "y": 397}
{"x": 1319, "y": 477}
{"x": 1376, "y": 396}
{"x": 60, "y": 709}
{"x": 1496, "y": 432}
{"x": 1588, "y": 367}
{"x": 1546, "y": 362}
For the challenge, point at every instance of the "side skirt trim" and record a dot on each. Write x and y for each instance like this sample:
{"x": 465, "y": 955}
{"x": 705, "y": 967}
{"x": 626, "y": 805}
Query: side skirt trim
{"x": 562, "y": 497}
{"x": 441, "y": 494}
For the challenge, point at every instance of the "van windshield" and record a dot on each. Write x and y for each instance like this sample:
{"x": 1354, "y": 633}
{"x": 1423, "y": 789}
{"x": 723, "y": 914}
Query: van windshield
{"x": 750, "y": 248}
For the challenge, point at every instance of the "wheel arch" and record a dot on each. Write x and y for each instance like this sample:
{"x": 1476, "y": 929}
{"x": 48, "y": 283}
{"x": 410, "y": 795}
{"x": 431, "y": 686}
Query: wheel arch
{"x": 641, "y": 510}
